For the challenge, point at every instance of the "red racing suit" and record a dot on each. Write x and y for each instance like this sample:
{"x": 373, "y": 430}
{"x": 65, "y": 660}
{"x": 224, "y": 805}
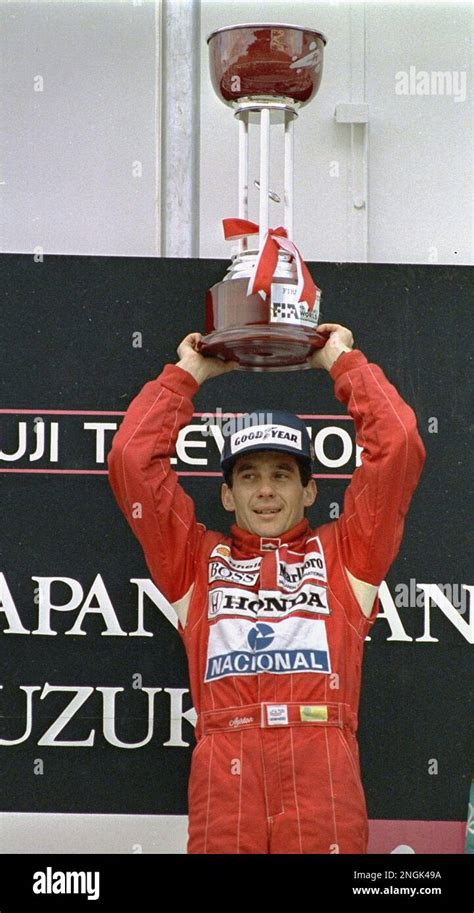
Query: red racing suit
{"x": 274, "y": 634}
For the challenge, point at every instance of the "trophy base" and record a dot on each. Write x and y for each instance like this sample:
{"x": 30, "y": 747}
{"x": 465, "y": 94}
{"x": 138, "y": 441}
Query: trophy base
{"x": 264, "y": 348}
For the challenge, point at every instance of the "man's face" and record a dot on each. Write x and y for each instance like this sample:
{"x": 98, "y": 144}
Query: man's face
{"x": 267, "y": 494}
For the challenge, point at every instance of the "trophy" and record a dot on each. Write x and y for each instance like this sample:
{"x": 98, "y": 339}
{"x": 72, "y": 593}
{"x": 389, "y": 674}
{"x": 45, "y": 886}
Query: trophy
{"x": 264, "y": 313}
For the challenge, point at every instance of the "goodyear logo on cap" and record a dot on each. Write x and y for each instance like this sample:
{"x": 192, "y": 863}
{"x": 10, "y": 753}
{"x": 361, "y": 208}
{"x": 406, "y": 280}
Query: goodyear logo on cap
{"x": 314, "y": 712}
{"x": 266, "y": 434}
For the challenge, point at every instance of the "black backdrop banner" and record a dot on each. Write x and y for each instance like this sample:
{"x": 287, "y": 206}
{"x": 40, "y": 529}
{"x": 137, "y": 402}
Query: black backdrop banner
{"x": 95, "y": 711}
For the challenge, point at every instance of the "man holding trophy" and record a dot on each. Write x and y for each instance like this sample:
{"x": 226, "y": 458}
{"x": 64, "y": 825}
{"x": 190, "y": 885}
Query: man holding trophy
{"x": 273, "y": 615}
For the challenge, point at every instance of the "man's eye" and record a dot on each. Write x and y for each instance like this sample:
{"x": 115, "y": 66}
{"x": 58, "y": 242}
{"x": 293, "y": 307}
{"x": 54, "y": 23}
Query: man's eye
{"x": 282, "y": 475}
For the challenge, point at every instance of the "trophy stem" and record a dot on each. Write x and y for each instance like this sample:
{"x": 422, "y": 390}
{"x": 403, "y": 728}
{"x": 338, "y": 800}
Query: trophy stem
{"x": 243, "y": 173}
{"x": 288, "y": 175}
{"x": 264, "y": 172}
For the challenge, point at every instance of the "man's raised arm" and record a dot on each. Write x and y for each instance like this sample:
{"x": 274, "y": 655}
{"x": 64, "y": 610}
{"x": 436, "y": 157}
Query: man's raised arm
{"x": 377, "y": 499}
{"x": 158, "y": 510}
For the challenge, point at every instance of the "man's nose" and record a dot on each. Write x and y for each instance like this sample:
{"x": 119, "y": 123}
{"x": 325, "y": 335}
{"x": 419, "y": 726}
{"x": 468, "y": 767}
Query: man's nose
{"x": 265, "y": 488}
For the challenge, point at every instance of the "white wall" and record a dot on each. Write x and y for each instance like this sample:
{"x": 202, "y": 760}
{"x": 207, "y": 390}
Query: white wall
{"x": 68, "y": 152}
{"x": 421, "y": 147}
{"x": 81, "y": 165}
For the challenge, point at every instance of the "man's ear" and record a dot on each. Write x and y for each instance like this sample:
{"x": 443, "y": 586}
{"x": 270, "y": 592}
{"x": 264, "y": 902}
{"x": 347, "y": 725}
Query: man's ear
{"x": 227, "y": 497}
{"x": 310, "y": 493}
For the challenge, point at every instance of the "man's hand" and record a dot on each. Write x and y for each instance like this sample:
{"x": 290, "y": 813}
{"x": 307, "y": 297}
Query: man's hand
{"x": 200, "y": 367}
{"x": 340, "y": 340}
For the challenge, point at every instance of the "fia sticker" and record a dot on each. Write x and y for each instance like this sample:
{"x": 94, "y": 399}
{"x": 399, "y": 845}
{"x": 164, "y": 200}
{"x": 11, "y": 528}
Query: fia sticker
{"x": 285, "y": 307}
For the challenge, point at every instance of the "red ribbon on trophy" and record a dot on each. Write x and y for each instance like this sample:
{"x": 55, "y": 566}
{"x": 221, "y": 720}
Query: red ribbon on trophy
{"x": 275, "y": 239}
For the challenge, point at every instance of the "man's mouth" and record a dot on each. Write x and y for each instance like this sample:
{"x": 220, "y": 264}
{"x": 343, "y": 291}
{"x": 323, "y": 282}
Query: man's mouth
{"x": 267, "y": 511}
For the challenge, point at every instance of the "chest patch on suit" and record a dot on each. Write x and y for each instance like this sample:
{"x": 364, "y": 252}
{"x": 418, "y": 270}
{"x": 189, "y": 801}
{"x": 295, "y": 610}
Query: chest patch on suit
{"x": 221, "y": 570}
{"x": 239, "y": 647}
{"x": 255, "y": 613}
{"x": 292, "y": 575}
{"x": 270, "y": 604}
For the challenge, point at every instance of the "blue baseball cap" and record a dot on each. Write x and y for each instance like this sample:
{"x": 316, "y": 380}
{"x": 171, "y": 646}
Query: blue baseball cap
{"x": 280, "y": 431}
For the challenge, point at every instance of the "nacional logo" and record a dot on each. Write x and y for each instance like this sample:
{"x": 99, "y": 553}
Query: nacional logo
{"x": 239, "y": 647}
{"x": 260, "y": 637}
